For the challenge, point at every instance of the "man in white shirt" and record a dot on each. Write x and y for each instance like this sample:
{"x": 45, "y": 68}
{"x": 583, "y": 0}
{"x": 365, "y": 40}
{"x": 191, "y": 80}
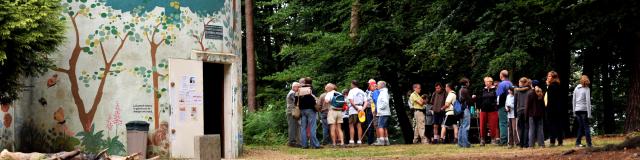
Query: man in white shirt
{"x": 450, "y": 120}
{"x": 357, "y": 99}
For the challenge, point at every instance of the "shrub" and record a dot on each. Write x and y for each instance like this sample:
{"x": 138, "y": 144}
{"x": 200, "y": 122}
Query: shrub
{"x": 267, "y": 126}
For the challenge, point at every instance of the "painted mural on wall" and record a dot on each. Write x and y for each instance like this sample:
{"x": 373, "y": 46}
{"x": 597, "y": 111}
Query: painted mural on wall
{"x": 114, "y": 67}
{"x": 6, "y": 126}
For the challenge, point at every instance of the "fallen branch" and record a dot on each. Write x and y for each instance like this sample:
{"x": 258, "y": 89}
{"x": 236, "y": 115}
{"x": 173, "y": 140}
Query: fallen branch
{"x": 103, "y": 152}
{"x": 65, "y": 155}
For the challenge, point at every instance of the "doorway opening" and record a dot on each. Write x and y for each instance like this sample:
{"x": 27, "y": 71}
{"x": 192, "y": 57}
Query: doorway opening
{"x": 213, "y": 99}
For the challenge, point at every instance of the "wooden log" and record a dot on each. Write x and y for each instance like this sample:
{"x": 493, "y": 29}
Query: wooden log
{"x": 5, "y": 154}
{"x": 65, "y": 155}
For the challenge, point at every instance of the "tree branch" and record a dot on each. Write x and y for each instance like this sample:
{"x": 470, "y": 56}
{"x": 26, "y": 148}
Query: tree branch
{"x": 147, "y": 36}
{"x": 104, "y": 56}
{"x": 119, "y": 48}
{"x": 58, "y": 69}
{"x": 75, "y": 15}
{"x": 161, "y": 41}
{"x": 153, "y": 35}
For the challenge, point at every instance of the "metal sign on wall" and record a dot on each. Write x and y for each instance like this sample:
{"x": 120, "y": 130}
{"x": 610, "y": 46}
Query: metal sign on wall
{"x": 213, "y": 32}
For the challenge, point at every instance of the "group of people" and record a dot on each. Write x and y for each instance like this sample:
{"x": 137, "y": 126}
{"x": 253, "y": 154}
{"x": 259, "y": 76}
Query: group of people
{"x": 515, "y": 115}
{"x": 352, "y": 107}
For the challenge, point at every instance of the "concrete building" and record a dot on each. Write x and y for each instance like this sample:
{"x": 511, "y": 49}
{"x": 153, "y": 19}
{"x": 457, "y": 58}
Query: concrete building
{"x": 174, "y": 64}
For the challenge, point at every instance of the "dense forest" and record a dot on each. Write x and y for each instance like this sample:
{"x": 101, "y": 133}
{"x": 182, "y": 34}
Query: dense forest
{"x": 428, "y": 41}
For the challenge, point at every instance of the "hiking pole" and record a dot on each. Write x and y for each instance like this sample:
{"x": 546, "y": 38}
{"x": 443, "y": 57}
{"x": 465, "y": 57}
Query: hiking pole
{"x": 365, "y": 131}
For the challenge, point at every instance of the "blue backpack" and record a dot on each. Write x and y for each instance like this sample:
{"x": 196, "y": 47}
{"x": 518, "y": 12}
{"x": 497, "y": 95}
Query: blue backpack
{"x": 457, "y": 108}
{"x": 337, "y": 101}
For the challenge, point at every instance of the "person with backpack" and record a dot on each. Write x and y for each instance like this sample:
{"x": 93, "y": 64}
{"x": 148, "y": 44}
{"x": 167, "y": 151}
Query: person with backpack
{"x": 582, "y": 110}
{"x": 437, "y": 100}
{"x": 334, "y": 101}
{"x": 503, "y": 120}
{"x": 357, "y": 99}
{"x": 306, "y": 101}
{"x": 450, "y": 120}
{"x": 293, "y": 123}
{"x": 464, "y": 99}
{"x": 488, "y": 111}
{"x": 416, "y": 104}
{"x": 383, "y": 112}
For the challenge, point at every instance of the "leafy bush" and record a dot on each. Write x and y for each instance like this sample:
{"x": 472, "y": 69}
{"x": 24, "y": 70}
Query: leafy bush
{"x": 267, "y": 126}
{"x": 93, "y": 143}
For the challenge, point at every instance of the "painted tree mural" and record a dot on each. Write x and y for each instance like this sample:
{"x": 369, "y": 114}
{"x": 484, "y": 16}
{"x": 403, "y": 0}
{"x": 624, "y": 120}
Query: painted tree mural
{"x": 158, "y": 34}
{"x": 198, "y": 35}
{"x": 159, "y": 30}
{"x": 115, "y": 30}
{"x": 109, "y": 37}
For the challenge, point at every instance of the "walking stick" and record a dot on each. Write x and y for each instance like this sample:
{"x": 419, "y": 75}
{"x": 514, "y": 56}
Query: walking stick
{"x": 365, "y": 131}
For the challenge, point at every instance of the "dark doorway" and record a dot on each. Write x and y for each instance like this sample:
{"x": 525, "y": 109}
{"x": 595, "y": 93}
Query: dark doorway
{"x": 213, "y": 99}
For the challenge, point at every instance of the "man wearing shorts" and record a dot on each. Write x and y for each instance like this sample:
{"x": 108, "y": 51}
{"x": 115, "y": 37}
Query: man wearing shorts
{"x": 383, "y": 112}
{"x": 357, "y": 99}
{"x": 437, "y": 100}
{"x": 334, "y": 116}
{"x": 450, "y": 120}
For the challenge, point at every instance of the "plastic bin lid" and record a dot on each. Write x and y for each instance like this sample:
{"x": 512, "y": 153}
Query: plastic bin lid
{"x": 137, "y": 126}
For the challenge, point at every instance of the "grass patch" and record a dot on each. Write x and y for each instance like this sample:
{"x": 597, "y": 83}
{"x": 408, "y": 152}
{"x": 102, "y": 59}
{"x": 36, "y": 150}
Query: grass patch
{"x": 416, "y": 150}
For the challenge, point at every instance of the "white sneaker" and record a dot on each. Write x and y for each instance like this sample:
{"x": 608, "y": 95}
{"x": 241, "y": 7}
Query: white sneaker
{"x": 379, "y": 143}
{"x": 359, "y": 142}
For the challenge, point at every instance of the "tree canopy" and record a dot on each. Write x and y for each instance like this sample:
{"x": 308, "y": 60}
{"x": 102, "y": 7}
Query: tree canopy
{"x": 428, "y": 41}
{"x": 30, "y": 30}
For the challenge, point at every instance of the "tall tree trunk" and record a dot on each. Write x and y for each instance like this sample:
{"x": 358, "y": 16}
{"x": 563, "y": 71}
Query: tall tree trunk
{"x": 251, "y": 75}
{"x": 154, "y": 77}
{"x": 563, "y": 67}
{"x": 355, "y": 19}
{"x": 632, "y": 123}
{"x": 588, "y": 61}
{"x": 607, "y": 99}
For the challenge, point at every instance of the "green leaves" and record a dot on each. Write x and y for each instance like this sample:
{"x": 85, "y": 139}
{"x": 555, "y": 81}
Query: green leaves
{"x": 29, "y": 32}
{"x": 513, "y": 61}
{"x": 93, "y": 142}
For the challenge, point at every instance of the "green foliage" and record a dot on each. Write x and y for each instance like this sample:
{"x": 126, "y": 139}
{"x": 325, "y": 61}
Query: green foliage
{"x": 30, "y": 31}
{"x": 413, "y": 41}
{"x": 266, "y": 127}
{"x": 146, "y": 75}
{"x": 115, "y": 147}
{"x": 93, "y": 142}
{"x": 512, "y": 61}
